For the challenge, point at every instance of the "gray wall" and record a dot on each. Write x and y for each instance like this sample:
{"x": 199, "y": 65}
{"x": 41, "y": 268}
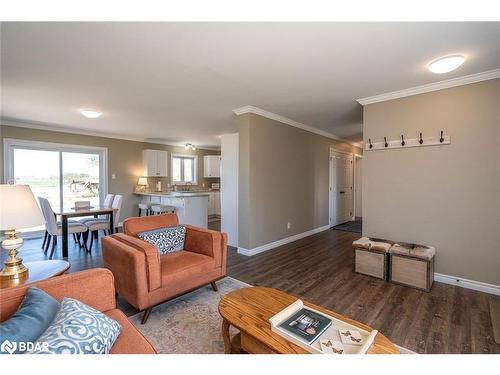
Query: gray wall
{"x": 124, "y": 159}
{"x": 445, "y": 196}
{"x": 283, "y": 178}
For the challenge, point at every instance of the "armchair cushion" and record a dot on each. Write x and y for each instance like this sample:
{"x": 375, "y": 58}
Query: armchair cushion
{"x": 78, "y": 329}
{"x": 166, "y": 240}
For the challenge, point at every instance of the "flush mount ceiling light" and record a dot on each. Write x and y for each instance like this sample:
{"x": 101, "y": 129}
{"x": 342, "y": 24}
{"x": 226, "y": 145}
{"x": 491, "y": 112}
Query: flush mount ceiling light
{"x": 446, "y": 64}
{"x": 190, "y": 146}
{"x": 90, "y": 113}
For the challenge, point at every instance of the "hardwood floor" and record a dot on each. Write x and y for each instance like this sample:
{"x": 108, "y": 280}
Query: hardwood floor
{"x": 319, "y": 268}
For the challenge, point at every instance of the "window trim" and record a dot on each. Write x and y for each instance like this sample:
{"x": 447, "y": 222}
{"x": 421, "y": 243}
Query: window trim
{"x": 195, "y": 169}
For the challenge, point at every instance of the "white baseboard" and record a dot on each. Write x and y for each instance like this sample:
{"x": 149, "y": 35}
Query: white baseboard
{"x": 469, "y": 284}
{"x": 272, "y": 245}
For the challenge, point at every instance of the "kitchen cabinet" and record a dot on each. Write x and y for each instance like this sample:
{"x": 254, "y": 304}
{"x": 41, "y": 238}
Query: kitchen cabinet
{"x": 214, "y": 203}
{"x": 211, "y": 166}
{"x": 155, "y": 163}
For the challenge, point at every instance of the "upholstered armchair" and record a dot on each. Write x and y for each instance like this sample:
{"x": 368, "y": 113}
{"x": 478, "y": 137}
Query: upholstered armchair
{"x": 145, "y": 278}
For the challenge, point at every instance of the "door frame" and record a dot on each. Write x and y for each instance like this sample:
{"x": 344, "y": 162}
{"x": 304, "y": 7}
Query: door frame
{"x": 355, "y": 184}
{"x": 331, "y": 200}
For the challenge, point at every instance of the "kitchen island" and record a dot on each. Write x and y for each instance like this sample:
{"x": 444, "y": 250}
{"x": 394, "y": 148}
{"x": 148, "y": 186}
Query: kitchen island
{"x": 191, "y": 207}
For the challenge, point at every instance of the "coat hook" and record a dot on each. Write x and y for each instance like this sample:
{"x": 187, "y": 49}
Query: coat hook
{"x": 385, "y": 140}
{"x": 370, "y": 142}
{"x": 402, "y": 140}
{"x": 441, "y": 140}
{"x": 420, "y": 140}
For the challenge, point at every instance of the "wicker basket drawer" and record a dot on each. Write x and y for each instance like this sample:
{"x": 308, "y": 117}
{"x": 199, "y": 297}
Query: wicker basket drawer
{"x": 371, "y": 263}
{"x": 417, "y": 273}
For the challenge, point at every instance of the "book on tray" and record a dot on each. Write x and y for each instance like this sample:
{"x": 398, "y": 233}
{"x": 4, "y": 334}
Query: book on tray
{"x": 307, "y": 325}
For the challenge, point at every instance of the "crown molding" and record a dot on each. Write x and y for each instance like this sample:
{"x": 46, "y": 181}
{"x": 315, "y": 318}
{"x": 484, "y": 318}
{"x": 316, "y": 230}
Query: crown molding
{"x": 287, "y": 121}
{"x": 62, "y": 129}
{"x": 454, "y": 82}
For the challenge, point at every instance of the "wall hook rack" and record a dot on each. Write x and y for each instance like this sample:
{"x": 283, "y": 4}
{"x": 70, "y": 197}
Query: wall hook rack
{"x": 419, "y": 141}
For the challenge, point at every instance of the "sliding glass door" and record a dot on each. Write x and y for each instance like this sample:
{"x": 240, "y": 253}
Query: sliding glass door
{"x": 63, "y": 174}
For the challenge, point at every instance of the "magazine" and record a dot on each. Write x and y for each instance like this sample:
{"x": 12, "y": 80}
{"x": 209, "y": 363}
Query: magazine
{"x": 306, "y": 325}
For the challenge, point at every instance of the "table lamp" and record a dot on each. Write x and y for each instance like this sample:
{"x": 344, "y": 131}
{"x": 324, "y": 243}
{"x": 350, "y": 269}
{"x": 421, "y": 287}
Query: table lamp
{"x": 142, "y": 184}
{"x": 18, "y": 209}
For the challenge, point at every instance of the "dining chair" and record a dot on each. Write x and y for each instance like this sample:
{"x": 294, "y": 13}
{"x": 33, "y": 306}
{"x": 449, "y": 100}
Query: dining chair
{"x": 108, "y": 201}
{"x": 54, "y": 228}
{"x": 46, "y": 236}
{"x": 94, "y": 226}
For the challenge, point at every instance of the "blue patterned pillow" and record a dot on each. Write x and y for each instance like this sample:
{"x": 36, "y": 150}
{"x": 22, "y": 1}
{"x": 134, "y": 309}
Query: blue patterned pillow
{"x": 78, "y": 329}
{"x": 166, "y": 240}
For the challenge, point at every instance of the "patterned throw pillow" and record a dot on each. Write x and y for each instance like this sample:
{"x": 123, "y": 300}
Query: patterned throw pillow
{"x": 78, "y": 329}
{"x": 166, "y": 240}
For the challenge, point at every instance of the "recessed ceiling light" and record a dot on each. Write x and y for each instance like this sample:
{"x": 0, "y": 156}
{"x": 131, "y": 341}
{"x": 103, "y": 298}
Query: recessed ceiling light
{"x": 90, "y": 113}
{"x": 446, "y": 64}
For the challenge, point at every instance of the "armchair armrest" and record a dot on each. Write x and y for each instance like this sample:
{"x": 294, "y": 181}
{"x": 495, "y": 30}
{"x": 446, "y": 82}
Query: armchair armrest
{"x": 207, "y": 242}
{"x": 93, "y": 287}
{"x": 135, "y": 264}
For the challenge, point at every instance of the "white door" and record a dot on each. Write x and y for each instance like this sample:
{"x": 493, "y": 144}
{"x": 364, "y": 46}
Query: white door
{"x": 358, "y": 203}
{"x": 341, "y": 185}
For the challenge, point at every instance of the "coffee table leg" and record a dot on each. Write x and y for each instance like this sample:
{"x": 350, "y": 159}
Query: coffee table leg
{"x": 225, "y": 336}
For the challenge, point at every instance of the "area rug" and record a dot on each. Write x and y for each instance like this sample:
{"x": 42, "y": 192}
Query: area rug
{"x": 495, "y": 319}
{"x": 351, "y": 226}
{"x": 191, "y": 324}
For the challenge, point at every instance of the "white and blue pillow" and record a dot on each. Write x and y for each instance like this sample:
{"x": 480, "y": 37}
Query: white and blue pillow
{"x": 78, "y": 329}
{"x": 166, "y": 240}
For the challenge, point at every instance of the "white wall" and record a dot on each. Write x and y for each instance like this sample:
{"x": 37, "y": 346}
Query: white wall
{"x": 229, "y": 186}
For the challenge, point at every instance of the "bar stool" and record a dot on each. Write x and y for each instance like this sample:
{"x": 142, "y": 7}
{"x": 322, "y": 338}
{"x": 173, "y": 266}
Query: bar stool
{"x": 161, "y": 209}
{"x": 144, "y": 206}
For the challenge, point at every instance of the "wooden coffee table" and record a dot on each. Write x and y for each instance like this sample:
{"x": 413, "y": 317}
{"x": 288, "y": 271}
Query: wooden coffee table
{"x": 39, "y": 270}
{"x": 249, "y": 310}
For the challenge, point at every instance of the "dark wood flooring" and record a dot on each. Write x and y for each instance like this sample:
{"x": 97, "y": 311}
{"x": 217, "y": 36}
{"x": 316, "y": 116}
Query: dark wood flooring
{"x": 319, "y": 269}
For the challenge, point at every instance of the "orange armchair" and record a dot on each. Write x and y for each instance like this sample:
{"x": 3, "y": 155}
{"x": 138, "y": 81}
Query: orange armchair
{"x": 145, "y": 278}
{"x": 93, "y": 287}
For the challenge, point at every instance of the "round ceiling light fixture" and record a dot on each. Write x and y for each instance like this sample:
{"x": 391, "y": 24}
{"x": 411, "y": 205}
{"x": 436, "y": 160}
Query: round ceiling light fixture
{"x": 189, "y": 146}
{"x": 90, "y": 113}
{"x": 446, "y": 64}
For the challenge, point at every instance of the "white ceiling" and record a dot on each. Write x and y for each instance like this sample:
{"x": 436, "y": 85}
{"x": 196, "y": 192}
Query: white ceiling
{"x": 179, "y": 82}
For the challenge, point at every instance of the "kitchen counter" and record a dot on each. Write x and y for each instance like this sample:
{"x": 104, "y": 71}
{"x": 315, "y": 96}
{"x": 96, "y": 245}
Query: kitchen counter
{"x": 190, "y": 207}
{"x": 175, "y": 193}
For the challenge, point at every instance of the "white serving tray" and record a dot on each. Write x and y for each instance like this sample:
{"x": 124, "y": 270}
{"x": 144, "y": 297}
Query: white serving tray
{"x": 332, "y": 332}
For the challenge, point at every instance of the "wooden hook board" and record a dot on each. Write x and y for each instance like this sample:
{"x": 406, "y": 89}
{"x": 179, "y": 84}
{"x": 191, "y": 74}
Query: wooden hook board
{"x": 412, "y": 142}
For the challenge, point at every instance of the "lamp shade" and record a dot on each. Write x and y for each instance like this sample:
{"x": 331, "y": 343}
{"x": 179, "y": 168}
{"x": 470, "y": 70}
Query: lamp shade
{"x": 143, "y": 181}
{"x": 18, "y": 208}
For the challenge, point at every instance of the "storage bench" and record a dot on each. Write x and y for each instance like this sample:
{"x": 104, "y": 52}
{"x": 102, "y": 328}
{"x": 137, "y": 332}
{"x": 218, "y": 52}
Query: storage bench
{"x": 412, "y": 265}
{"x": 371, "y": 257}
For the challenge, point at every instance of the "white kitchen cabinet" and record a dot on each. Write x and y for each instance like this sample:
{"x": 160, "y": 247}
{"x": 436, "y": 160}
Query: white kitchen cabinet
{"x": 155, "y": 163}
{"x": 211, "y": 166}
{"x": 211, "y": 204}
{"x": 217, "y": 203}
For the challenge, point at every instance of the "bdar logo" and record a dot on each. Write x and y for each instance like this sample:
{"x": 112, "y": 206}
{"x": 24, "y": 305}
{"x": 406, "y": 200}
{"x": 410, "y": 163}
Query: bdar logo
{"x": 9, "y": 347}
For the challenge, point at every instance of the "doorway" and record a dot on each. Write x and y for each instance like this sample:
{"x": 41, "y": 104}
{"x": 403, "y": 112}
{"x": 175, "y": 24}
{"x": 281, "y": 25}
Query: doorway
{"x": 341, "y": 187}
{"x": 358, "y": 187}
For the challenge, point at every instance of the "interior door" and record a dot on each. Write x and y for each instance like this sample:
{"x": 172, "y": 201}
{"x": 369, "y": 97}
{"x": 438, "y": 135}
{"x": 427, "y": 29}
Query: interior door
{"x": 341, "y": 185}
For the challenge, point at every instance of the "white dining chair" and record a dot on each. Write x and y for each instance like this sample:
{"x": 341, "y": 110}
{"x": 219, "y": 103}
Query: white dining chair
{"x": 108, "y": 201}
{"x": 54, "y": 228}
{"x": 94, "y": 226}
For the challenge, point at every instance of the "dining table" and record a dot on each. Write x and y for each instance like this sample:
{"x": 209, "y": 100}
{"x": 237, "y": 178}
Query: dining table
{"x": 72, "y": 212}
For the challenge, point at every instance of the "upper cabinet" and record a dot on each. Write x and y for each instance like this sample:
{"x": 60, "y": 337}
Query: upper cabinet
{"x": 211, "y": 166}
{"x": 155, "y": 163}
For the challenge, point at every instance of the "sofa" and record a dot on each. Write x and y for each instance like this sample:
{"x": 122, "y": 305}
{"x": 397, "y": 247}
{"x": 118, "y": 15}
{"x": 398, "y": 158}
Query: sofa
{"x": 146, "y": 279}
{"x": 93, "y": 287}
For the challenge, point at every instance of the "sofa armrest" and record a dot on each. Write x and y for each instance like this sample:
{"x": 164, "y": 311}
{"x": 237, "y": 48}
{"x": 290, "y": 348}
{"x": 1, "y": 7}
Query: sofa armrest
{"x": 94, "y": 287}
{"x": 135, "y": 264}
{"x": 207, "y": 242}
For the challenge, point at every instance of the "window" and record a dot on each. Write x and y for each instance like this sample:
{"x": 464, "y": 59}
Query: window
{"x": 61, "y": 173}
{"x": 184, "y": 169}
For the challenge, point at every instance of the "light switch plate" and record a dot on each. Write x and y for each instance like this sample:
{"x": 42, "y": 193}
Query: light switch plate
{"x": 113, "y": 176}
